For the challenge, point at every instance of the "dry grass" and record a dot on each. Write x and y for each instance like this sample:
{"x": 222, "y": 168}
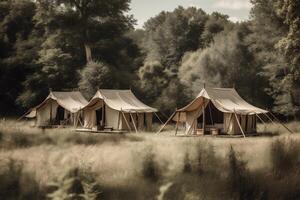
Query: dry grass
{"x": 133, "y": 166}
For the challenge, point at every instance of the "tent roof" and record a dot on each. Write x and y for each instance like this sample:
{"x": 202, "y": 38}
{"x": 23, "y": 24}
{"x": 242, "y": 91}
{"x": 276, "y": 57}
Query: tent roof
{"x": 71, "y": 101}
{"x": 225, "y": 100}
{"x": 121, "y": 100}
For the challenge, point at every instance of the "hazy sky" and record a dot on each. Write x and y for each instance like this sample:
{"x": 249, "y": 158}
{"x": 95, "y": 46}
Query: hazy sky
{"x": 144, "y": 9}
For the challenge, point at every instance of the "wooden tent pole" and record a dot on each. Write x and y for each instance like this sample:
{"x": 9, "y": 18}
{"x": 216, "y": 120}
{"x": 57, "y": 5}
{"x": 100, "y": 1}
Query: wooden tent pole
{"x": 281, "y": 123}
{"x": 230, "y": 117}
{"x": 126, "y": 121}
{"x": 158, "y": 118}
{"x": 177, "y": 123}
{"x": 102, "y": 121}
{"x": 211, "y": 119}
{"x": 239, "y": 124}
{"x": 203, "y": 116}
{"x": 50, "y": 112}
{"x": 133, "y": 122}
{"x": 167, "y": 122}
{"x": 119, "y": 121}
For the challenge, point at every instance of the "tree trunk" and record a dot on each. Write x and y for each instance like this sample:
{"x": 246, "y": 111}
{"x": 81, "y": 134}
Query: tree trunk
{"x": 88, "y": 53}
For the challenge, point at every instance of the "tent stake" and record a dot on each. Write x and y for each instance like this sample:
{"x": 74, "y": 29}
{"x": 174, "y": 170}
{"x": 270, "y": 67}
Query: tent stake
{"x": 133, "y": 122}
{"x": 239, "y": 124}
{"x": 126, "y": 121}
{"x": 281, "y": 123}
{"x": 166, "y": 122}
{"x": 177, "y": 123}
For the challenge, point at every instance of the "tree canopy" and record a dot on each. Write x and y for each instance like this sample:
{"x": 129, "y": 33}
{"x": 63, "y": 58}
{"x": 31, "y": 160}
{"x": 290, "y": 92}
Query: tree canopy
{"x": 90, "y": 44}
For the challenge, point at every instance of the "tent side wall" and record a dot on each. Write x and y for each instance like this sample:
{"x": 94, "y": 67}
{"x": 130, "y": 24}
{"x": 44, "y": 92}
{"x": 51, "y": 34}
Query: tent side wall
{"x": 44, "y": 112}
{"x": 247, "y": 122}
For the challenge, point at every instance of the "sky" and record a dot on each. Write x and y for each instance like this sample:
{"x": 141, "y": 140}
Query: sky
{"x": 237, "y": 10}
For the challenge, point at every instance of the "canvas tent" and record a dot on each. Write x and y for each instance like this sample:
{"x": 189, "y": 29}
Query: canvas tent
{"x": 117, "y": 110}
{"x": 58, "y": 108}
{"x": 221, "y": 110}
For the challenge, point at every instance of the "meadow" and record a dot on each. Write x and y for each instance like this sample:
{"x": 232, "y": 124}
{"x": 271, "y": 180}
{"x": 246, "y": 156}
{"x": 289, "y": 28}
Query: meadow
{"x": 64, "y": 164}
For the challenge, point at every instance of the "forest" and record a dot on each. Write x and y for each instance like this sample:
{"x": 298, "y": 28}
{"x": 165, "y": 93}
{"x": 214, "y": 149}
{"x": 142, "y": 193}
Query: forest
{"x": 89, "y": 44}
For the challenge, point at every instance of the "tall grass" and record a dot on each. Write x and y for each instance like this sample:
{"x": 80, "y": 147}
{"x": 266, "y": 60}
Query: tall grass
{"x": 62, "y": 164}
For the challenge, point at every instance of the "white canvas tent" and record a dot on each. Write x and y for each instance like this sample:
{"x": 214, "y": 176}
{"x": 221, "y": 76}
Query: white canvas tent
{"x": 117, "y": 110}
{"x": 58, "y": 108}
{"x": 218, "y": 109}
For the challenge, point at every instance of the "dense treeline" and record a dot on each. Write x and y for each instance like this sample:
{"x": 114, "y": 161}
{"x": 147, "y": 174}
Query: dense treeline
{"x": 90, "y": 44}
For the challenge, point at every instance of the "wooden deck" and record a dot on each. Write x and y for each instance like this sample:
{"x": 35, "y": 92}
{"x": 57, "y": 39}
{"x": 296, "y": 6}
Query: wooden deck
{"x": 82, "y": 130}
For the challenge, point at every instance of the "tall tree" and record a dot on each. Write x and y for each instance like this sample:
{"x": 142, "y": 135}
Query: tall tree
{"x": 91, "y": 20}
{"x": 289, "y": 45}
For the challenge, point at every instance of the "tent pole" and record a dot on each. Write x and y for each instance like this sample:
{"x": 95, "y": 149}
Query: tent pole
{"x": 119, "y": 121}
{"x": 230, "y": 117}
{"x": 177, "y": 123}
{"x": 133, "y": 122}
{"x": 158, "y": 118}
{"x": 167, "y": 122}
{"x": 239, "y": 124}
{"x": 126, "y": 121}
{"x": 203, "y": 117}
{"x": 50, "y": 112}
{"x": 281, "y": 123}
{"x": 211, "y": 119}
{"x": 102, "y": 121}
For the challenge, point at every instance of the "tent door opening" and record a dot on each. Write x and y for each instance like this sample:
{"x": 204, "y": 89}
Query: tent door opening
{"x": 214, "y": 119}
{"x": 60, "y": 115}
{"x": 100, "y": 117}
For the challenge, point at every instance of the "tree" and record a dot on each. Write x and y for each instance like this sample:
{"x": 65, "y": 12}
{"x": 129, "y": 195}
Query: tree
{"x": 89, "y": 20}
{"x": 227, "y": 62}
{"x": 18, "y": 50}
{"x": 272, "y": 43}
{"x": 289, "y": 102}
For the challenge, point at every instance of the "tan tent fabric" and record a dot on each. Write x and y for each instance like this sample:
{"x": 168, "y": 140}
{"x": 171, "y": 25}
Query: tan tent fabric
{"x": 226, "y": 100}
{"x": 118, "y": 103}
{"x": 122, "y": 100}
{"x": 72, "y": 102}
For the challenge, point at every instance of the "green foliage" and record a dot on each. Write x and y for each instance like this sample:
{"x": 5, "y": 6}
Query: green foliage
{"x": 94, "y": 76}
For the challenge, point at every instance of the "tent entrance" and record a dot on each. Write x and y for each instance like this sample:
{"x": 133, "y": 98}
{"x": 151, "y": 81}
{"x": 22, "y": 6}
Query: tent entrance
{"x": 214, "y": 119}
{"x": 60, "y": 115}
{"x": 100, "y": 117}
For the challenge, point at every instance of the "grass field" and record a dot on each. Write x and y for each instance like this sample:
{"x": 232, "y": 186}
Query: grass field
{"x": 63, "y": 164}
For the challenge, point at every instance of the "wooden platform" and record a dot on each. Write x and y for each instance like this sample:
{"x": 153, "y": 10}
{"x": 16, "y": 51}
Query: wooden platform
{"x": 98, "y": 131}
